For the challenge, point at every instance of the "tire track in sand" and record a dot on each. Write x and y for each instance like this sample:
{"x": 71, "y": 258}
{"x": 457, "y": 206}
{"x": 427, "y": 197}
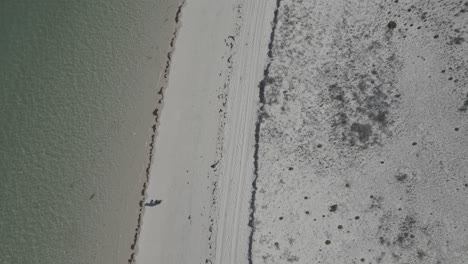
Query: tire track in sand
{"x": 235, "y": 183}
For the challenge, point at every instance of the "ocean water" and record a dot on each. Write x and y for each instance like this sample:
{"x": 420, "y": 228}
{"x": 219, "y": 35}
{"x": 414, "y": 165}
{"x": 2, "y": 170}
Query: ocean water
{"x": 78, "y": 83}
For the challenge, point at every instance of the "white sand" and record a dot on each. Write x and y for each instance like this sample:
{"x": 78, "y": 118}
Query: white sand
{"x": 205, "y": 184}
{"x": 362, "y": 146}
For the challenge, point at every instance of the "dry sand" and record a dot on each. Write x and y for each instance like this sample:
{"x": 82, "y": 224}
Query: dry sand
{"x": 203, "y": 156}
{"x": 357, "y": 155}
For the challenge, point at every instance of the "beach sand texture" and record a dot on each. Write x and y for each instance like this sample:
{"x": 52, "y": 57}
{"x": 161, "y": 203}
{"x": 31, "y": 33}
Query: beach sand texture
{"x": 203, "y": 161}
{"x": 363, "y": 149}
{"x": 234, "y": 131}
{"x": 312, "y": 132}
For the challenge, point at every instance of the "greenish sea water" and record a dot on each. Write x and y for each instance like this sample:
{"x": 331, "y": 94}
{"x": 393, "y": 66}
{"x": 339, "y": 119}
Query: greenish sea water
{"x": 78, "y": 83}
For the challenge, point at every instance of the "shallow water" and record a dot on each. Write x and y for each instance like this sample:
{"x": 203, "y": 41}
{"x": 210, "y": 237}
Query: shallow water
{"x": 78, "y": 87}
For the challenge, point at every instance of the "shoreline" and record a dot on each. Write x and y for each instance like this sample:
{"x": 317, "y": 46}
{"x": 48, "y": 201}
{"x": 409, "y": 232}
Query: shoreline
{"x": 79, "y": 84}
{"x": 154, "y": 242}
{"x": 203, "y": 155}
{"x": 156, "y": 115}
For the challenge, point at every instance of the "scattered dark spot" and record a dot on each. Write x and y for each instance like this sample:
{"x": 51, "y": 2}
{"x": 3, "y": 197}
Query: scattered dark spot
{"x": 269, "y": 80}
{"x": 292, "y": 259}
{"x": 307, "y": 212}
{"x": 333, "y": 208}
{"x": 362, "y": 85}
{"x": 405, "y": 238}
{"x": 214, "y": 164}
{"x": 347, "y": 185}
{"x": 356, "y": 217}
{"x": 92, "y": 196}
{"x": 376, "y": 202}
{"x": 421, "y": 254}
{"x": 280, "y": 218}
{"x": 382, "y": 162}
{"x": 456, "y": 41}
{"x": 380, "y": 258}
{"x": 401, "y": 177}
{"x": 436, "y": 36}
{"x": 381, "y": 117}
{"x": 343, "y": 118}
{"x": 306, "y": 197}
{"x": 291, "y": 168}
{"x": 277, "y": 246}
{"x": 464, "y": 107}
{"x": 327, "y": 242}
{"x": 340, "y": 227}
{"x": 395, "y": 257}
{"x": 364, "y": 131}
{"x": 382, "y": 240}
{"x": 414, "y": 143}
{"x": 336, "y": 92}
{"x": 424, "y": 16}
{"x": 450, "y": 78}
{"x": 363, "y": 259}
{"x": 391, "y": 25}
{"x": 319, "y": 145}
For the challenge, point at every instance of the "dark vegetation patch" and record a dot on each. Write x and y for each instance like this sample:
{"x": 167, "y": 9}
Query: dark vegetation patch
{"x": 456, "y": 41}
{"x": 404, "y": 237}
{"x": 392, "y": 25}
{"x": 401, "y": 177}
{"x": 464, "y": 106}
{"x": 292, "y": 259}
{"x": 376, "y": 202}
{"x": 362, "y": 132}
{"x": 360, "y": 84}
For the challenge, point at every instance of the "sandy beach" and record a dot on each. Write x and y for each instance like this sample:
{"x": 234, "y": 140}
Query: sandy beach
{"x": 203, "y": 159}
{"x": 311, "y": 132}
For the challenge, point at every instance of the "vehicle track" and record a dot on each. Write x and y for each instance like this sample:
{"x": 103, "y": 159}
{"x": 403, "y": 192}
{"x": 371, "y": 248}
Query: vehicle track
{"x": 238, "y": 167}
